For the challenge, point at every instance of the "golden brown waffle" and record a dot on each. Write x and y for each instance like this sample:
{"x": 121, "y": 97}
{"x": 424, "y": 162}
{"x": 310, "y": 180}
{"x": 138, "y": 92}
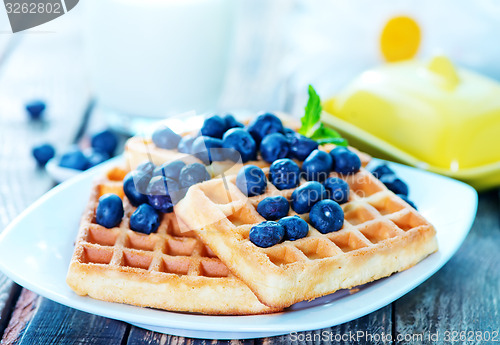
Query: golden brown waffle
{"x": 168, "y": 269}
{"x": 381, "y": 235}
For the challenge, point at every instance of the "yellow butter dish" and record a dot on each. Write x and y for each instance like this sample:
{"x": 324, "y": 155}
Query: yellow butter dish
{"x": 431, "y": 115}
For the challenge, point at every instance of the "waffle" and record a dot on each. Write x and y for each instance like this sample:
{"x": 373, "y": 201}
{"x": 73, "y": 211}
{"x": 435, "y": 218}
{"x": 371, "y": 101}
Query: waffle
{"x": 169, "y": 269}
{"x": 381, "y": 235}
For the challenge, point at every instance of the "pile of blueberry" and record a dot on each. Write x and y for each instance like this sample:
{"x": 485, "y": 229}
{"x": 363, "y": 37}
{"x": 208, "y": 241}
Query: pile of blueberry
{"x": 103, "y": 147}
{"x": 153, "y": 190}
{"x": 389, "y": 178}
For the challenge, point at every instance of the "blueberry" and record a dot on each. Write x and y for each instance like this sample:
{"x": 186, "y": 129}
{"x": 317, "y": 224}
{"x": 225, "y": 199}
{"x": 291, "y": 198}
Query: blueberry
{"x": 317, "y": 166}
{"x": 165, "y": 138}
{"x": 327, "y": 216}
{"x": 395, "y": 184}
{"x": 159, "y": 193}
{"x": 408, "y": 201}
{"x": 306, "y": 195}
{"x": 345, "y": 161}
{"x": 214, "y": 126}
{"x": 295, "y": 227}
{"x": 186, "y": 143}
{"x": 267, "y": 234}
{"x": 301, "y": 146}
{"x": 35, "y": 109}
{"x": 109, "y": 211}
{"x": 74, "y": 159}
{"x": 146, "y": 167}
{"x": 208, "y": 149}
{"x": 96, "y": 157}
{"x": 284, "y": 174}
{"x": 337, "y": 189}
{"x": 289, "y": 133}
{"x": 43, "y": 153}
{"x": 274, "y": 146}
{"x": 104, "y": 141}
{"x": 231, "y": 122}
{"x": 263, "y": 125}
{"x": 135, "y": 185}
{"x": 171, "y": 169}
{"x": 251, "y": 180}
{"x": 240, "y": 140}
{"x": 273, "y": 207}
{"x": 192, "y": 174}
{"x": 144, "y": 219}
{"x": 382, "y": 170}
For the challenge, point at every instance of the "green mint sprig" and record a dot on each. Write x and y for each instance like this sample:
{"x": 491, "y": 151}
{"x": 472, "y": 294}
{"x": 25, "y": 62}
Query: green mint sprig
{"x": 312, "y": 126}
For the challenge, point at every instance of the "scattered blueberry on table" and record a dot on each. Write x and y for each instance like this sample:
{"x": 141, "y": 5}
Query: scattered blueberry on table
{"x": 104, "y": 141}
{"x": 382, "y": 170}
{"x": 284, "y": 174}
{"x": 35, "y": 109}
{"x": 274, "y": 146}
{"x": 306, "y": 195}
{"x": 273, "y": 207}
{"x": 317, "y": 166}
{"x": 145, "y": 219}
{"x": 43, "y": 153}
{"x": 109, "y": 211}
{"x": 135, "y": 185}
{"x": 301, "y": 146}
{"x": 267, "y": 234}
{"x": 240, "y": 140}
{"x": 327, "y": 216}
{"x": 251, "y": 180}
{"x": 395, "y": 184}
{"x": 263, "y": 125}
{"x": 345, "y": 161}
{"x": 295, "y": 227}
{"x": 74, "y": 159}
{"x": 165, "y": 138}
{"x": 337, "y": 189}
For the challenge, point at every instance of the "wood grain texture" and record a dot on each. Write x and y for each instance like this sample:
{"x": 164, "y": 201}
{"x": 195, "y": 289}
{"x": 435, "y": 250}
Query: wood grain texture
{"x": 464, "y": 295}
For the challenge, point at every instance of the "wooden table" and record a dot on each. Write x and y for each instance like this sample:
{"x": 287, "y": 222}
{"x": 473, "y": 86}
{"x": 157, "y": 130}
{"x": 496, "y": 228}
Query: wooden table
{"x": 463, "y": 296}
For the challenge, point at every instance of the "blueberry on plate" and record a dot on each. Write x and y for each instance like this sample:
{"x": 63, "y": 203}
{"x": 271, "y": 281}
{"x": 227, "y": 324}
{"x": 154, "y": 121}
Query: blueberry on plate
{"x": 43, "y": 153}
{"x": 135, "y": 186}
{"x": 192, "y": 174}
{"x": 165, "y": 138}
{"x": 144, "y": 219}
{"x": 395, "y": 184}
{"x": 295, "y": 227}
{"x": 96, "y": 157}
{"x": 104, "y": 141}
{"x": 231, "y": 122}
{"x": 213, "y": 126}
{"x": 337, "y": 189}
{"x": 273, "y": 207}
{"x": 109, "y": 211}
{"x": 171, "y": 169}
{"x": 381, "y": 170}
{"x": 263, "y": 125}
{"x": 208, "y": 149}
{"x": 251, "y": 180}
{"x": 74, "y": 159}
{"x": 327, "y": 216}
{"x": 274, "y": 146}
{"x": 284, "y": 174}
{"x": 158, "y": 193}
{"x": 240, "y": 140}
{"x": 408, "y": 201}
{"x": 186, "y": 144}
{"x": 146, "y": 167}
{"x": 288, "y": 132}
{"x": 317, "y": 166}
{"x": 35, "y": 109}
{"x": 301, "y": 146}
{"x": 306, "y": 195}
{"x": 345, "y": 161}
{"x": 267, "y": 234}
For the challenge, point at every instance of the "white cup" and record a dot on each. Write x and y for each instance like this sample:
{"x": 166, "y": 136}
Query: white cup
{"x": 156, "y": 58}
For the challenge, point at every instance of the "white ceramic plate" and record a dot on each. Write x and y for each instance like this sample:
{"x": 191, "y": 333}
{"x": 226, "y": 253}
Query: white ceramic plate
{"x": 36, "y": 248}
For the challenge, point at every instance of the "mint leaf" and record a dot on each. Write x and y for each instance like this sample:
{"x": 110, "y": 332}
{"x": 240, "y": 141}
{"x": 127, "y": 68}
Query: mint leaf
{"x": 312, "y": 114}
{"x": 326, "y": 135}
{"x": 336, "y": 141}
